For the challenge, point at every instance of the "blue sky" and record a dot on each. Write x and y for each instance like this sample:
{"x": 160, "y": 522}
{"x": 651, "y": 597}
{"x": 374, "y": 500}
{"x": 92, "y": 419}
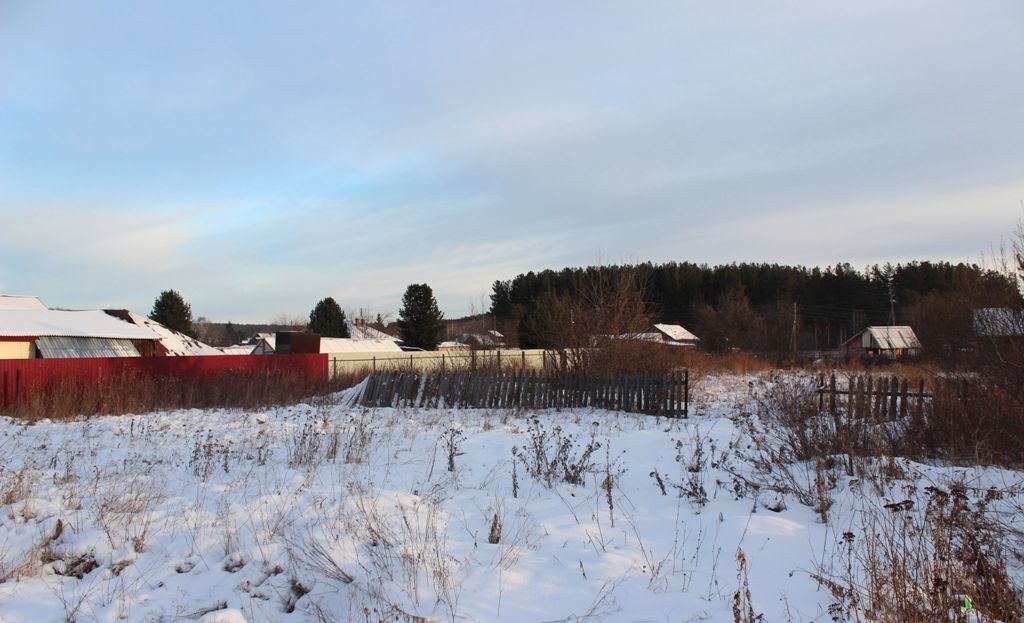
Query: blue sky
{"x": 260, "y": 156}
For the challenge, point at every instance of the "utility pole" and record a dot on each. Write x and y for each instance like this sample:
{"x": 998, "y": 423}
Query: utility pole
{"x": 794, "y": 340}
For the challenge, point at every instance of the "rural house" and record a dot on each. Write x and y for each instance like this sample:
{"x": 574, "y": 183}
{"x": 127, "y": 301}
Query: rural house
{"x": 56, "y": 333}
{"x": 480, "y": 341}
{"x": 887, "y": 342}
{"x": 668, "y": 334}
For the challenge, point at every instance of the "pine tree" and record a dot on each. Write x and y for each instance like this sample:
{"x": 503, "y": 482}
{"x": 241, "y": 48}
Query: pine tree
{"x": 420, "y": 321}
{"x": 171, "y": 310}
{"x": 231, "y": 336}
{"x": 327, "y": 319}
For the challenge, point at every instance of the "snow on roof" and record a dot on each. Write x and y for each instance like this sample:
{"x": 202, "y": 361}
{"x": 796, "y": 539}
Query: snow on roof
{"x": 676, "y": 332}
{"x": 177, "y": 344}
{"x": 349, "y": 345}
{"x": 238, "y": 349}
{"x": 890, "y": 337}
{"x": 364, "y": 332}
{"x": 13, "y": 301}
{"x": 269, "y": 338}
{"x": 54, "y": 322}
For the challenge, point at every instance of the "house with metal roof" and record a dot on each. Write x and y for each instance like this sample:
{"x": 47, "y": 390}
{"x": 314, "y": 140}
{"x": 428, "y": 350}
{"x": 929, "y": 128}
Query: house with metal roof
{"x": 58, "y": 333}
{"x": 667, "y": 334}
{"x": 888, "y": 342}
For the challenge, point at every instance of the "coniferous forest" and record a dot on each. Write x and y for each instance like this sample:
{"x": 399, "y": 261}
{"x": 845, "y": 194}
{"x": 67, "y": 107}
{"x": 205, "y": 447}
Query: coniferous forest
{"x": 761, "y": 307}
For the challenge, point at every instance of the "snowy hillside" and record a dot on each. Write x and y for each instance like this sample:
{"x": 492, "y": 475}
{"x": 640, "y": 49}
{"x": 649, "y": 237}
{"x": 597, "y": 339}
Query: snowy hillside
{"x": 337, "y": 513}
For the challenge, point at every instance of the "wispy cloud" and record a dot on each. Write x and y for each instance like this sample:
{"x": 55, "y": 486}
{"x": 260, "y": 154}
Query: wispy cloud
{"x": 258, "y": 158}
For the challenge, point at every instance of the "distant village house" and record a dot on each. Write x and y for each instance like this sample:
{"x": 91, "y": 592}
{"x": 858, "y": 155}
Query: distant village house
{"x": 887, "y": 342}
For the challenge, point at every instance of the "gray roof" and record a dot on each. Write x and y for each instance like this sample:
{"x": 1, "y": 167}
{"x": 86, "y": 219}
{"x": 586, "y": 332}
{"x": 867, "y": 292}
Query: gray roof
{"x": 890, "y": 337}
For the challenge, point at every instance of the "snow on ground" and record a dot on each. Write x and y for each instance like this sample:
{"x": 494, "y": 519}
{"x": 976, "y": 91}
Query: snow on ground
{"x": 338, "y": 513}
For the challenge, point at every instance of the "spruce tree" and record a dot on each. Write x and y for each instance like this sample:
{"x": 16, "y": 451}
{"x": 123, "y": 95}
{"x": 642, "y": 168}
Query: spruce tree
{"x": 327, "y": 319}
{"x": 171, "y": 310}
{"x": 420, "y": 321}
{"x": 230, "y": 334}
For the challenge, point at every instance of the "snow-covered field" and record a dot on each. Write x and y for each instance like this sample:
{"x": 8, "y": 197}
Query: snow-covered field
{"x": 338, "y": 513}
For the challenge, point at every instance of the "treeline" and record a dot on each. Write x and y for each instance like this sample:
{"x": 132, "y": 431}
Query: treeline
{"x": 761, "y": 307}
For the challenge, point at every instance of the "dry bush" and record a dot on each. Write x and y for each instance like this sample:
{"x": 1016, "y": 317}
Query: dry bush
{"x": 969, "y": 423}
{"x": 139, "y": 393}
{"x": 636, "y": 357}
{"x": 554, "y": 456}
{"x": 913, "y": 565}
{"x": 964, "y": 422}
{"x": 731, "y": 362}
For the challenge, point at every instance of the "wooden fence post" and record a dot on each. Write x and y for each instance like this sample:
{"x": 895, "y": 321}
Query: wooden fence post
{"x": 686, "y": 393}
{"x": 920, "y": 398}
{"x": 894, "y": 395}
{"x": 903, "y": 398}
{"x": 832, "y": 395}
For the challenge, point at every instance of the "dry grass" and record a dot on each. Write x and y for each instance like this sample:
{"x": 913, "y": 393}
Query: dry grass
{"x": 968, "y": 424}
{"x": 734, "y": 362}
{"x": 913, "y": 565}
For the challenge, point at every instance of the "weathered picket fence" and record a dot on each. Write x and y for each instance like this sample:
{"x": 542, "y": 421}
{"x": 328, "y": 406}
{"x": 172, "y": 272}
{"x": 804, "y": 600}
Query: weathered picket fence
{"x": 666, "y": 395}
{"x": 884, "y": 397}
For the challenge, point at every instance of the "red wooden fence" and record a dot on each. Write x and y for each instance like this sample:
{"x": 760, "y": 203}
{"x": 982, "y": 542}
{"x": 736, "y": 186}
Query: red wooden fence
{"x": 20, "y": 379}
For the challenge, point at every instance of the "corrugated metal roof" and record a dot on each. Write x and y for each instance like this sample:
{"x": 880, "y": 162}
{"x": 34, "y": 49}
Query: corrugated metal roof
{"x": 13, "y": 301}
{"x": 54, "y": 322}
{"x": 676, "y": 332}
{"x": 349, "y": 345}
{"x": 63, "y": 347}
{"x": 893, "y": 337}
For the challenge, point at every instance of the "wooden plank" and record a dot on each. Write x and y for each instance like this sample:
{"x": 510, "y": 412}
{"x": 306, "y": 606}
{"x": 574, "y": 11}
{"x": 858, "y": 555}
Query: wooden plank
{"x": 903, "y": 397}
{"x": 893, "y": 397}
{"x": 832, "y": 395}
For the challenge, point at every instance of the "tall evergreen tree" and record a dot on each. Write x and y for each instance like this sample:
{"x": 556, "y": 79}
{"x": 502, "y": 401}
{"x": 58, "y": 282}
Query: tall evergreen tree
{"x": 231, "y": 336}
{"x": 327, "y": 319}
{"x": 171, "y": 310}
{"x": 420, "y": 321}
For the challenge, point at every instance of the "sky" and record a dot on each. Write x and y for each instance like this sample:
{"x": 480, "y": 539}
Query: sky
{"x": 259, "y": 156}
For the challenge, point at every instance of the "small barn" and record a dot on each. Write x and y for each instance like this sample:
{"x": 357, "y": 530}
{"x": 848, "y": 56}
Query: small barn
{"x": 489, "y": 340}
{"x": 886, "y": 342}
{"x": 667, "y": 334}
{"x": 675, "y": 334}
